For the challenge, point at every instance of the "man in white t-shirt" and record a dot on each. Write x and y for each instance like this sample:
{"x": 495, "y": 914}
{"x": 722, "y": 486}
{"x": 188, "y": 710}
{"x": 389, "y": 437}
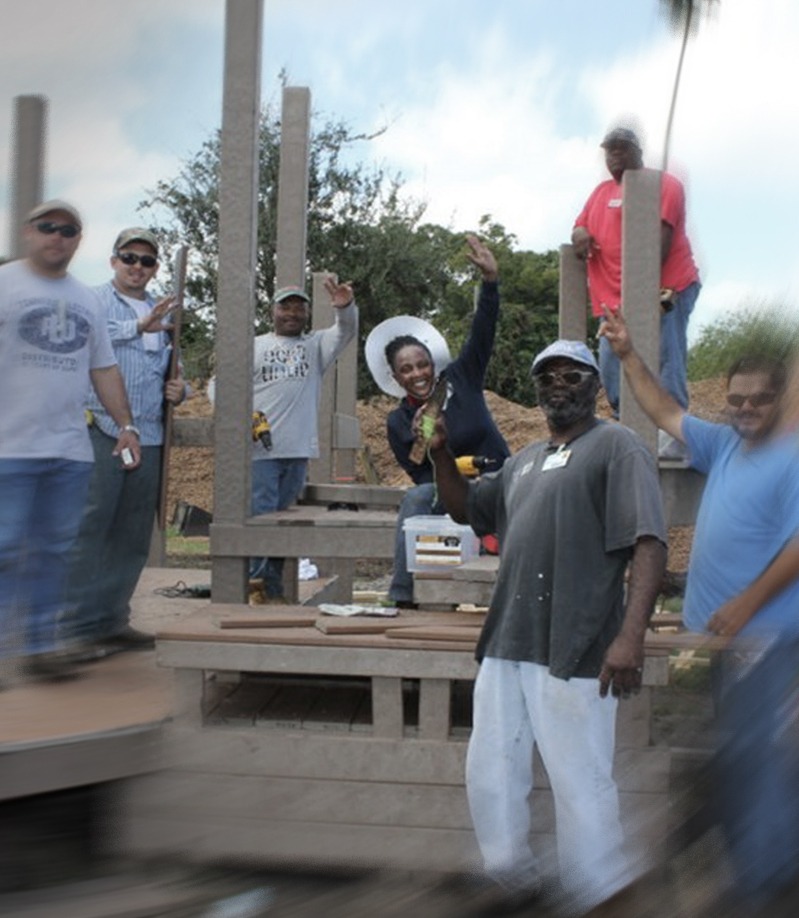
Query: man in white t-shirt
{"x": 53, "y": 345}
{"x": 114, "y": 539}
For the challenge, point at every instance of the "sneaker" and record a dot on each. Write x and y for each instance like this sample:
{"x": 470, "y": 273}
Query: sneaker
{"x": 85, "y": 652}
{"x": 127, "y": 639}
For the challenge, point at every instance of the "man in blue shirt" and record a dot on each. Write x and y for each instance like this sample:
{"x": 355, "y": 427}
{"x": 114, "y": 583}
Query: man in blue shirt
{"x": 743, "y": 584}
{"x": 114, "y": 539}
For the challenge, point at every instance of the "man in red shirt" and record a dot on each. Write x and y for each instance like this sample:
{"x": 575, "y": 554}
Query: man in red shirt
{"x": 596, "y": 237}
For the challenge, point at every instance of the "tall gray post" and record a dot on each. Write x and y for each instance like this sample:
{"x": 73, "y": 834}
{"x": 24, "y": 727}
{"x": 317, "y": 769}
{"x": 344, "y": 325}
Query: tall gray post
{"x": 573, "y": 296}
{"x": 238, "y": 236}
{"x": 292, "y": 190}
{"x": 640, "y": 285}
{"x": 27, "y": 164}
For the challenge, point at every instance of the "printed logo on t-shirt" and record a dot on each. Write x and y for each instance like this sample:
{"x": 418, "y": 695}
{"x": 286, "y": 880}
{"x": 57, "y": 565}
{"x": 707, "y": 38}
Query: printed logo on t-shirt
{"x": 56, "y": 327}
{"x": 285, "y": 361}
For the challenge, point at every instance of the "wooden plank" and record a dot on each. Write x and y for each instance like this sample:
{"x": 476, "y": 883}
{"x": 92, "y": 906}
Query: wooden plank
{"x": 357, "y": 625}
{"x": 88, "y": 759}
{"x": 436, "y": 590}
{"x": 310, "y": 844}
{"x": 304, "y": 800}
{"x": 273, "y": 620}
{"x": 453, "y": 633}
{"x": 364, "y": 539}
{"x": 296, "y": 650}
{"x": 387, "y": 708}
{"x": 434, "y": 709}
{"x": 179, "y": 277}
{"x": 355, "y": 756}
{"x": 362, "y": 495}
{"x": 331, "y": 624}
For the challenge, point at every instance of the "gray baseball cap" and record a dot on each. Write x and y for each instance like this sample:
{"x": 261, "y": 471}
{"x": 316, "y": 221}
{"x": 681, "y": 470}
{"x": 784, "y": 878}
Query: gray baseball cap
{"x": 136, "y": 234}
{"x": 48, "y": 207}
{"x": 574, "y": 350}
{"x": 285, "y": 292}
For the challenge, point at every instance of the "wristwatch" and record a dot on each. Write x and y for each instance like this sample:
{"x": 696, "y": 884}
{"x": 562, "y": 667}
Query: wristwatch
{"x": 129, "y": 428}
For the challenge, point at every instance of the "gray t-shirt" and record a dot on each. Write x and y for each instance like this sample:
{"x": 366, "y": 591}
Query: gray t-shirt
{"x": 567, "y": 523}
{"x": 287, "y": 384}
{"x": 52, "y": 335}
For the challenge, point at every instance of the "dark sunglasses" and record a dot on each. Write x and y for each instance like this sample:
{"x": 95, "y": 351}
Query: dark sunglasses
{"x": 757, "y": 400}
{"x": 569, "y": 377}
{"x": 67, "y": 230}
{"x": 131, "y": 258}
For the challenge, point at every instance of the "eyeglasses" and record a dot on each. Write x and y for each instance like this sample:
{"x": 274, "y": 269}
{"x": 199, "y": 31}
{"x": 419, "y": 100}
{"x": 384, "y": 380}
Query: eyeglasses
{"x": 568, "y": 377}
{"x": 67, "y": 230}
{"x": 131, "y": 258}
{"x": 756, "y": 400}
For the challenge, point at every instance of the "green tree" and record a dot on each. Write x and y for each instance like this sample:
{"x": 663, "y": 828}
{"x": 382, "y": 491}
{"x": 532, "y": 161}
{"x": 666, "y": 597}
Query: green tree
{"x": 764, "y": 329}
{"x": 352, "y": 209}
{"x": 361, "y": 227}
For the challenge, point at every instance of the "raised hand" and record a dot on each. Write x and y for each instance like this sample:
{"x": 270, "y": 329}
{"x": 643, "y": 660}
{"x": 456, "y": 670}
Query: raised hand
{"x": 481, "y": 257}
{"x": 341, "y": 295}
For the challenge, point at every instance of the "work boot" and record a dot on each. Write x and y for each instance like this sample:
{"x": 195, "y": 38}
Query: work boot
{"x": 52, "y": 666}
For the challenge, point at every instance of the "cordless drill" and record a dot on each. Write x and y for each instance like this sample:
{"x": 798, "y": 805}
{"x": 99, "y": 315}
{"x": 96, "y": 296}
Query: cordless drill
{"x": 261, "y": 429}
{"x": 471, "y": 466}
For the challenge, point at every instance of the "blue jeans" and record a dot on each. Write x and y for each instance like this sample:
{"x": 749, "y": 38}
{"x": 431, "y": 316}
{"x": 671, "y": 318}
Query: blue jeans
{"x": 41, "y": 502}
{"x": 276, "y": 484}
{"x": 113, "y": 542}
{"x": 673, "y": 351}
{"x": 756, "y": 768}
{"x": 419, "y": 500}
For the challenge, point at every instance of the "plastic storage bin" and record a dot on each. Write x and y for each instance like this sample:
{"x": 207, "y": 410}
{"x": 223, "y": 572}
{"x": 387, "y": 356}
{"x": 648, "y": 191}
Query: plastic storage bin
{"x": 433, "y": 543}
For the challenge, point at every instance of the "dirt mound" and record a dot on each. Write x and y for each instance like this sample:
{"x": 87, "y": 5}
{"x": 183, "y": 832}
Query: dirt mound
{"x": 191, "y": 469}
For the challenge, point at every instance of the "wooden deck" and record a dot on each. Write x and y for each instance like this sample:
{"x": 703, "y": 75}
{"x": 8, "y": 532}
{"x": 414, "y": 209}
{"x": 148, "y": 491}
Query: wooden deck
{"x": 104, "y": 725}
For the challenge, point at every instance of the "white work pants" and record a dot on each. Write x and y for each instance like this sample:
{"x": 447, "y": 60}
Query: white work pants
{"x": 517, "y": 706}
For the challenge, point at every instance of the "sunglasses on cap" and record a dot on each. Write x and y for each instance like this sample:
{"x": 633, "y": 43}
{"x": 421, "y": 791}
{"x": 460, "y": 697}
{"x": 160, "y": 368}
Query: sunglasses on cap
{"x": 569, "y": 377}
{"x": 756, "y": 400}
{"x": 131, "y": 258}
{"x": 67, "y": 230}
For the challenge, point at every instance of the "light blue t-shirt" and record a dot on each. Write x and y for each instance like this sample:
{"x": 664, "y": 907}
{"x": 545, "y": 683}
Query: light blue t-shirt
{"x": 749, "y": 512}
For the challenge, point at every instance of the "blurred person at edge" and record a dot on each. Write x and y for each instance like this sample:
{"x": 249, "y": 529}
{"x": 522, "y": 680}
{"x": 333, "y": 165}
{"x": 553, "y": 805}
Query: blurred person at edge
{"x": 743, "y": 585}
{"x": 54, "y": 344}
{"x": 558, "y": 648}
{"x": 114, "y": 538}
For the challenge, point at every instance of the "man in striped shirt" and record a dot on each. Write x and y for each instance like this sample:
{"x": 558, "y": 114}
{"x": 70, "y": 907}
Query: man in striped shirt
{"x": 114, "y": 539}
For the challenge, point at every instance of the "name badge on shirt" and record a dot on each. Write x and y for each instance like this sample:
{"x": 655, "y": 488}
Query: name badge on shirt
{"x": 557, "y": 460}
{"x": 615, "y": 202}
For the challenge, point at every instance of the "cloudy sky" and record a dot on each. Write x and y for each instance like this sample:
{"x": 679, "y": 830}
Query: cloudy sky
{"x": 489, "y": 108}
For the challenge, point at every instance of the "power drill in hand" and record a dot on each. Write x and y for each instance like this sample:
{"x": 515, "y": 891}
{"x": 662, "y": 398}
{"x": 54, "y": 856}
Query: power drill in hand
{"x": 471, "y": 466}
{"x": 261, "y": 429}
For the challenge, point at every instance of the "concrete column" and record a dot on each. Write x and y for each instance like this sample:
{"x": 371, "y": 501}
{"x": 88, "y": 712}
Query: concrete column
{"x": 27, "y": 164}
{"x": 640, "y": 285}
{"x": 238, "y": 202}
{"x": 292, "y": 190}
{"x": 573, "y": 296}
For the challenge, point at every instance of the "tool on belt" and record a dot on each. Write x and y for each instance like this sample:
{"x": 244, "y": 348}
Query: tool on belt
{"x": 261, "y": 429}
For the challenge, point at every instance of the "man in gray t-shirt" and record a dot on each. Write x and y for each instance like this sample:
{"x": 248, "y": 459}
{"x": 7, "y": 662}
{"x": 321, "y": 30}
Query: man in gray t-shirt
{"x": 562, "y": 640}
